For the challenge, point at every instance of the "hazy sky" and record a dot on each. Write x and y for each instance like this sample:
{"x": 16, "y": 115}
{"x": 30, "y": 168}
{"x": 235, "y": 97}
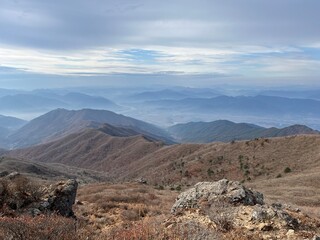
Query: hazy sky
{"x": 61, "y": 43}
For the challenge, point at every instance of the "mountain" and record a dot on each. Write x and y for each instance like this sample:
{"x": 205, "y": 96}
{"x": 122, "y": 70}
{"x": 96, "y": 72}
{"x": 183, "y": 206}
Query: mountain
{"x": 61, "y": 122}
{"x": 28, "y": 102}
{"x": 128, "y": 158}
{"x": 225, "y": 131}
{"x": 47, "y": 171}
{"x": 11, "y": 122}
{"x": 172, "y": 94}
{"x": 95, "y": 149}
{"x": 40, "y": 101}
{"x": 157, "y": 95}
{"x": 8, "y": 125}
{"x": 285, "y": 170}
{"x": 80, "y": 100}
{"x": 6, "y": 92}
{"x": 256, "y": 106}
{"x": 307, "y": 94}
{"x": 4, "y": 132}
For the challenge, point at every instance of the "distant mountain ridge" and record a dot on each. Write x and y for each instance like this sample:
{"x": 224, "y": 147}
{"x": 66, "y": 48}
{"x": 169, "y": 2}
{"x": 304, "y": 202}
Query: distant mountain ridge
{"x": 11, "y": 122}
{"x": 257, "y": 105}
{"x": 61, "y": 122}
{"x": 128, "y": 158}
{"x": 172, "y": 94}
{"x": 46, "y": 101}
{"x": 8, "y": 125}
{"x": 225, "y": 131}
{"x": 92, "y": 148}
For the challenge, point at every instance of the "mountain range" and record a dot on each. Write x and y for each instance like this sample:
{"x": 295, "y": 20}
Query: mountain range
{"x": 226, "y": 131}
{"x": 257, "y": 105}
{"x": 173, "y": 94}
{"x": 42, "y": 101}
{"x": 61, "y": 122}
{"x": 8, "y": 125}
{"x": 128, "y": 158}
{"x": 93, "y": 149}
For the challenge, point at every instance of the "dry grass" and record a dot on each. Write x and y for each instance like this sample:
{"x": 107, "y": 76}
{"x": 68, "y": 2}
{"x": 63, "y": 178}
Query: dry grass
{"x": 299, "y": 189}
{"x": 17, "y": 193}
{"x": 41, "y": 227}
{"x": 108, "y": 209}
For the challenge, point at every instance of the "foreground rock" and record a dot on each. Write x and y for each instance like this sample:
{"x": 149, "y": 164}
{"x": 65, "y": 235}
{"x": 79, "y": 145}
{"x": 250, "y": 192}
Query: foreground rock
{"x": 60, "y": 197}
{"x": 19, "y": 194}
{"x": 223, "y": 190}
{"x": 230, "y": 210}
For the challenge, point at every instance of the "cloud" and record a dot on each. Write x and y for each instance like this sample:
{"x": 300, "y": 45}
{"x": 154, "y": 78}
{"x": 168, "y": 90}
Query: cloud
{"x": 247, "y": 38}
{"x": 78, "y": 24}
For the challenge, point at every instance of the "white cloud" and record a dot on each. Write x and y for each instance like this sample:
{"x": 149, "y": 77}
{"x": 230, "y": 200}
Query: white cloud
{"x": 79, "y": 37}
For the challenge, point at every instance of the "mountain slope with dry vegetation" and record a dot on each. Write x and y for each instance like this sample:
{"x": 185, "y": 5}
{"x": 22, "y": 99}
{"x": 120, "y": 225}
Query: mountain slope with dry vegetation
{"x": 92, "y": 149}
{"x": 136, "y": 156}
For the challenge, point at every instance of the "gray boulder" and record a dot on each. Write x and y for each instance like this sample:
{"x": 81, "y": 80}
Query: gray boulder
{"x": 224, "y": 190}
{"x": 60, "y": 197}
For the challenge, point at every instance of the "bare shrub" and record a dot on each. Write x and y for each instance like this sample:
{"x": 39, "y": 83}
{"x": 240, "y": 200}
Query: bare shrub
{"x": 145, "y": 230}
{"x": 41, "y": 227}
{"x": 19, "y": 192}
{"x": 130, "y": 215}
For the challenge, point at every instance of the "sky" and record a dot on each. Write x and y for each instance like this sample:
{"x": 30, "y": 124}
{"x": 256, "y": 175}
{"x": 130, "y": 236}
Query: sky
{"x": 65, "y": 43}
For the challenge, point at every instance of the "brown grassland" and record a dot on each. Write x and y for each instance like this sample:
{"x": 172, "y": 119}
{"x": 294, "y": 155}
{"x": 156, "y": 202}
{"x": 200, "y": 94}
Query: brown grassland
{"x": 284, "y": 169}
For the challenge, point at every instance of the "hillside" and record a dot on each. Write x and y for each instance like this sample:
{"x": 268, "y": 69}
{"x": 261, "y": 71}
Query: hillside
{"x": 127, "y": 158}
{"x": 7, "y": 126}
{"x": 92, "y": 149}
{"x": 61, "y": 122}
{"x": 50, "y": 172}
{"x": 243, "y": 160}
{"x": 285, "y": 168}
{"x": 226, "y": 131}
{"x": 11, "y": 122}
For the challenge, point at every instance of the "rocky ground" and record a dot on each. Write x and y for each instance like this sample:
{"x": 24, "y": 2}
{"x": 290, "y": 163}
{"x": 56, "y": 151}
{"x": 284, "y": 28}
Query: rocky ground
{"x": 240, "y": 213}
{"x": 209, "y": 210}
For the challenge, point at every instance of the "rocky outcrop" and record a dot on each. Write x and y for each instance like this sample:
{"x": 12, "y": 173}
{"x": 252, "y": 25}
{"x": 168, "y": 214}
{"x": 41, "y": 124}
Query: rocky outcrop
{"x": 223, "y": 190}
{"x": 60, "y": 197}
{"x": 22, "y": 195}
{"x": 229, "y": 208}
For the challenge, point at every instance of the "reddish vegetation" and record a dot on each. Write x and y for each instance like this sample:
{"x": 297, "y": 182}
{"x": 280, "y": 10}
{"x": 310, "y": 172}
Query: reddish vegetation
{"x": 284, "y": 169}
{"x": 91, "y": 149}
{"x": 130, "y": 157}
{"x": 40, "y": 227}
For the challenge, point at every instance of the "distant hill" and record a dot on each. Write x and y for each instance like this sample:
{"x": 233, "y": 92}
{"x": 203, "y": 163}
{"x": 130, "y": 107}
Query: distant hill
{"x": 307, "y": 94}
{"x": 157, "y": 95}
{"x": 99, "y": 149}
{"x": 61, "y": 122}
{"x": 11, "y": 122}
{"x": 50, "y": 171}
{"x": 128, "y": 158}
{"x": 241, "y": 105}
{"x": 80, "y": 100}
{"x": 8, "y": 125}
{"x": 28, "y": 102}
{"x": 172, "y": 94}
{"x": 46, "y": 100}
{"x": 225, "y": 131}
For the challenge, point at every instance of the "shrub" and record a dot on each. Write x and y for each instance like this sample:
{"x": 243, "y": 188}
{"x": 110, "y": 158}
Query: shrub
{"x": 287, "y": 170}
{"x": 41, "y": 227}
{"x": 18, "y": 192}
{"x": 210, "y": 172}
